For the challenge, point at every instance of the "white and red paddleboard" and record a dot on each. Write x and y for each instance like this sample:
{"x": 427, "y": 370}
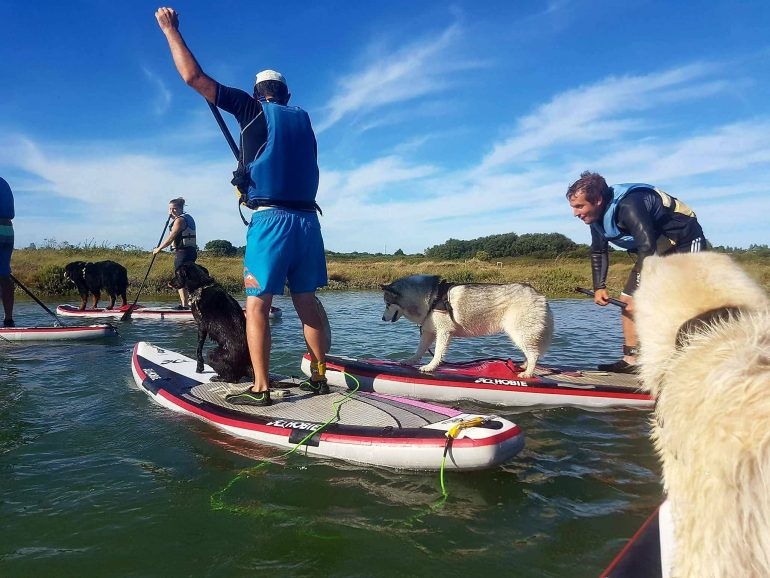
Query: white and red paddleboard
{"x": 367, "y": 428}
{"x": 141, "y": 312}
{"x": 493, "y": 381}
{"x": 56, "y": 333}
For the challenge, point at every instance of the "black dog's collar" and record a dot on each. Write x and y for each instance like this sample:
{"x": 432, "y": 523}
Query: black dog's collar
{"x": 196, "y": 294}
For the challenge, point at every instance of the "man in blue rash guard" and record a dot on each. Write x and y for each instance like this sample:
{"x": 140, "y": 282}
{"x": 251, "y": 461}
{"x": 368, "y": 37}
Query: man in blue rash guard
{"x": 641, "y": 219}
{"x": 6, "y": 249}
{"x": 278, "y": 149}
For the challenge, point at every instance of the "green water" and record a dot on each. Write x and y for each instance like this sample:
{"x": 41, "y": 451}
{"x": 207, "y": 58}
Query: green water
{"x": 97, "y": 480}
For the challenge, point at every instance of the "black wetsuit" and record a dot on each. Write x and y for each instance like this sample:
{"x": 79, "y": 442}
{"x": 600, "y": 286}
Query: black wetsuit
{"x": 656, "y": 229}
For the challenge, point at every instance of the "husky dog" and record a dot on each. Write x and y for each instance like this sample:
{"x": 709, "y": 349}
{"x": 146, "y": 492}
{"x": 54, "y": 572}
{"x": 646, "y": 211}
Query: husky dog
{"x": 444, "y": 310}
{"x": 704, "y": 330}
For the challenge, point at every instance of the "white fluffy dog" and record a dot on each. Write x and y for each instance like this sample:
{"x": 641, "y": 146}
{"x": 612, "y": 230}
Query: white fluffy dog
{"x": 444, "y": 310}
{"x": 704, "y": 330}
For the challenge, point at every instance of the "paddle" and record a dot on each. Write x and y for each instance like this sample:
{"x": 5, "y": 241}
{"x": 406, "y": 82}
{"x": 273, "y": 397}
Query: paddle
{"x": 591, "y": 293}
{"x": 127, "y": 315}
{"x": 38, "y": 301}
{"x": 225, "y": 130}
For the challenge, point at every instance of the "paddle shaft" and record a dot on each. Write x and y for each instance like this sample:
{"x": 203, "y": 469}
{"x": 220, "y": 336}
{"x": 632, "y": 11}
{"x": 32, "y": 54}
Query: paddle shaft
{"x": 591, "y": 293}
{"x": 38, "y": 301}
{"x": 225, "y": 130}
{"x": 127, "y": 314}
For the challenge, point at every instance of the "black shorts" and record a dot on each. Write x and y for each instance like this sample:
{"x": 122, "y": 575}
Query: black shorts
{"x": 695, "y": 246}
{"x": 188, "y": 255}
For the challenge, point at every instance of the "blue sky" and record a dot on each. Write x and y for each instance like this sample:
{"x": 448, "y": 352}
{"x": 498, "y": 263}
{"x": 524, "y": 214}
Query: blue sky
{"x": 434, "y": 119}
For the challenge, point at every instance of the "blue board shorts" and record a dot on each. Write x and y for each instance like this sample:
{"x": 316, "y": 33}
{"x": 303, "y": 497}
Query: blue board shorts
{"x": 6, "y": 248}
{"x": 283, "y": 245}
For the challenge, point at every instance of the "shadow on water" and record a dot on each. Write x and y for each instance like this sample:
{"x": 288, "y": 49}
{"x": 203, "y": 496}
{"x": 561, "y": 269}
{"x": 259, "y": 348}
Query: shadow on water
{"x": 96, "y": 479}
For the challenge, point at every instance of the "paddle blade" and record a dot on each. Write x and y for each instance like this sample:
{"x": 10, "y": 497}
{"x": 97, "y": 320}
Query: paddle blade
{"x": 127, "y": 315}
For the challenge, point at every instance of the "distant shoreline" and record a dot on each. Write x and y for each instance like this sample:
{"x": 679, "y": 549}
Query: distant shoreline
{"x": 40, "y": 271}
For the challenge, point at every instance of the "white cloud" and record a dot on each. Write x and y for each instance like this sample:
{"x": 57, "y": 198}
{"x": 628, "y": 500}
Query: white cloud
{"x": 591, "y": 113}
{"x": 163, "y": 96}
{"x": 414, "y": 71}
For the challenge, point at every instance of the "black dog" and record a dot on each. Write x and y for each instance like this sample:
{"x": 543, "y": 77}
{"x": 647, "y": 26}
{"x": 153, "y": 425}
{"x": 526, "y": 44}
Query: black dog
{"x": 220, "y": 317}
{"x": 93, "y": 277}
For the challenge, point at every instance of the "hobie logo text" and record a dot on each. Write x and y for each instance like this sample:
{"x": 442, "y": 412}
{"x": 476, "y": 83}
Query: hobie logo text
{"x": 501, "y": 381}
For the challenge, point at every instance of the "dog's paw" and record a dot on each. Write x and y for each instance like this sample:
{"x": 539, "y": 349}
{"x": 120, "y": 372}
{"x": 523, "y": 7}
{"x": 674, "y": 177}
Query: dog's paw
{"x": 411, "y": 361}
{"x": 199, "y": 368}
{"x": 428, "y": 368}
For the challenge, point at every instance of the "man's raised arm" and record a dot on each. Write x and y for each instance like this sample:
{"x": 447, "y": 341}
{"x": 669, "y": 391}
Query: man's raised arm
{"x": 185, "y": 62}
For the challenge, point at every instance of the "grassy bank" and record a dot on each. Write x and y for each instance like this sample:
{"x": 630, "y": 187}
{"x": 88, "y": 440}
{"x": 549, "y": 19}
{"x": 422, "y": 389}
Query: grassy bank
{"x": 40, "y": 270}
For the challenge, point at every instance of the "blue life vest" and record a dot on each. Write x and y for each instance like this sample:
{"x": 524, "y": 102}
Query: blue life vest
{"x": 287, "y": 169}
{"x": 608, "y": 228}
{"x": 6, "y": 200}
{"x": 186, "y": 239}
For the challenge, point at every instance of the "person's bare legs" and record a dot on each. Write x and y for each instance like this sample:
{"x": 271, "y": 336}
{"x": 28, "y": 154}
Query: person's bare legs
{"x": 312, "y": 325}
{"x": 629, "y": 327}
{"x": 258, "y": 339}
{"x": 6, "y": 290}
{"x": 184, "y": 297}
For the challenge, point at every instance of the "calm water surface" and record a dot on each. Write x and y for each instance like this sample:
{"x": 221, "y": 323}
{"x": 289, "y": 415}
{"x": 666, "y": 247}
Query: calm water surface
{"x": 97, "y": 480}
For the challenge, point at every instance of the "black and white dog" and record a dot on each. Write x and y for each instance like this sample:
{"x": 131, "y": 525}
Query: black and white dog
{"x": 93, "y": 277}
{"x": 219, "y": 317}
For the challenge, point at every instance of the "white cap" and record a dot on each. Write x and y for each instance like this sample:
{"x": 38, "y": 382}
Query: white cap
{"x": 270, "y": 75}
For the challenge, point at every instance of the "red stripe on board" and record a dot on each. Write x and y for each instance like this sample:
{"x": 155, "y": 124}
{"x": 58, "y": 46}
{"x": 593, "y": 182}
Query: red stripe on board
{"x": 630, "y": 543}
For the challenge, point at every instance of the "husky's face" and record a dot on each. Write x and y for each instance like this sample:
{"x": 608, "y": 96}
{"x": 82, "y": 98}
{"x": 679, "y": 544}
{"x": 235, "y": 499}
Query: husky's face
{"x": 408, "y": 296}
{"x": 392, "y": 310}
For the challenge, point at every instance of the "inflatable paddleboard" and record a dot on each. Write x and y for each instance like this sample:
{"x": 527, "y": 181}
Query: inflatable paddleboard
{"x": 142, "y": 312}
{"x": 649, "y": 552}
{"x": 56, "y": 333}
{"x": 370, "y": 428}
{"x": 493, "y": 381}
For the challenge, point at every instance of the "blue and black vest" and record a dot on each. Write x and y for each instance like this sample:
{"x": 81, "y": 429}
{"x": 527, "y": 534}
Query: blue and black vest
{"x": 608, "y": 227}
{"x": 286, "y": 172}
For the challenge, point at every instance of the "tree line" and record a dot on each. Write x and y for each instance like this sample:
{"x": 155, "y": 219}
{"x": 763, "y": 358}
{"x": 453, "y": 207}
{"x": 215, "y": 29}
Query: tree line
{"x": 545, "y": 245}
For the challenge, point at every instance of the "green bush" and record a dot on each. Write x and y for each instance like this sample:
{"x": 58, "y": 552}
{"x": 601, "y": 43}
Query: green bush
{"x": 51, "y": 281}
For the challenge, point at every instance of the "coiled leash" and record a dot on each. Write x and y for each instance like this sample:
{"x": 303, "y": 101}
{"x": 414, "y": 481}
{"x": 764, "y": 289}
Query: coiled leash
{"x": 217, "y": 501}
{"x": 217, "y": 498}
{"x": 451, "y": 435}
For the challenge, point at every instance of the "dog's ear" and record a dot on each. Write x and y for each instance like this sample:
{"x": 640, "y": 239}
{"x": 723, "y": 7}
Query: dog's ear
{"x": 389, "y": 289}
{"x": 181, "y": 275}
{"x": 206, "y": 271}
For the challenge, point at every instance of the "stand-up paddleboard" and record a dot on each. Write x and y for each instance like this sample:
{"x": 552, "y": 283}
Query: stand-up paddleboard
{"x": 56, "y": 333}
{"x": 494, "y": 381}
{"x": 141, "y": 312}
{"x": 649, "y": 553}
{"x": 370, "y": 428}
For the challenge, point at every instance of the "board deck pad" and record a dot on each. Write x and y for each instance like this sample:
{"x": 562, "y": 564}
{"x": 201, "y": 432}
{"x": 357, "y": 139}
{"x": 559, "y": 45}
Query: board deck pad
{"x": 299, "y": 405}
{"x": 588, "y": 377}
